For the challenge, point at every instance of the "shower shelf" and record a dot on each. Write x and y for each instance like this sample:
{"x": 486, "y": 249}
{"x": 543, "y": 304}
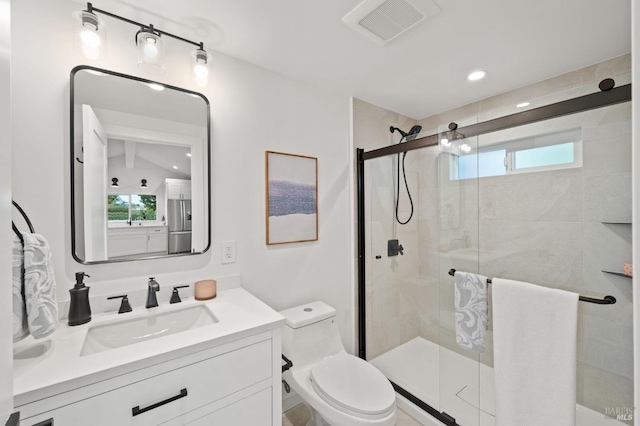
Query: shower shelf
{"x": 620, "y": 274}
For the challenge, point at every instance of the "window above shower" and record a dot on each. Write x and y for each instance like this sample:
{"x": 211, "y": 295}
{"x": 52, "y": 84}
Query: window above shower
{"x": 492, "y": 155}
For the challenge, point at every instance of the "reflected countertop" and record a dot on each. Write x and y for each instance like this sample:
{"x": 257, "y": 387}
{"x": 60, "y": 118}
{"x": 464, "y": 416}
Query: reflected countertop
{"x": 135, "y": 224}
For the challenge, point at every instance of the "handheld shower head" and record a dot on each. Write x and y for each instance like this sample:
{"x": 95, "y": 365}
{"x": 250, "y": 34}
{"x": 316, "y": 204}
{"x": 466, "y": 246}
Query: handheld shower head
{"x": 411, "y": 135}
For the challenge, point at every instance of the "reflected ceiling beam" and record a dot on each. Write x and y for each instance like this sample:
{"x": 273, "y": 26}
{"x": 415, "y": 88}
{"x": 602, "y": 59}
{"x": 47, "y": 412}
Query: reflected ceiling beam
{"x": 129, "y": 154}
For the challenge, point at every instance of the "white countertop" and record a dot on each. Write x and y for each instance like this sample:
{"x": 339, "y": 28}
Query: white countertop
{"x": 53, "y": 365}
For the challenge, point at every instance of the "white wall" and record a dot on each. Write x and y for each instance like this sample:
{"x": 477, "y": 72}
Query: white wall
{"x": 635, "y": 96}
{"x": 253, "y": 110}
{"x": 6, "y": 235}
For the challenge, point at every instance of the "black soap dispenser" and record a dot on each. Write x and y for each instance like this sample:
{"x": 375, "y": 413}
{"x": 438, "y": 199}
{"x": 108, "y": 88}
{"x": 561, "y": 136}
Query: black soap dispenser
{"x": 79, "y": 308}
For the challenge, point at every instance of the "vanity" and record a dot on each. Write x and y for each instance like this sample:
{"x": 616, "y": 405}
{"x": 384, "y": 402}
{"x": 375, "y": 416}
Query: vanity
{"x": 190, "y": 363}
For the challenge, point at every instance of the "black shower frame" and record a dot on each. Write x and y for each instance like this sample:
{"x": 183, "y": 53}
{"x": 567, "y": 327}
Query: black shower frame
{"x": 571, "y": 106}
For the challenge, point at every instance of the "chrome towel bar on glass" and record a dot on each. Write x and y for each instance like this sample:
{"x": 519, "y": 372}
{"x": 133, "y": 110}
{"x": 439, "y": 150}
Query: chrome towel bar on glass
{"x": 608, "y": 300}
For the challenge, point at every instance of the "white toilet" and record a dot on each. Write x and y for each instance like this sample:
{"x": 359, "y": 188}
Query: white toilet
{"x": 342, "y": 389}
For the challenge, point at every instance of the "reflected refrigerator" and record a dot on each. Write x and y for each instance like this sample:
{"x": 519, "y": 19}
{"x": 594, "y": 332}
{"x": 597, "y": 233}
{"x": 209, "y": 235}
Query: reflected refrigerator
{"x": 179, "y": 221}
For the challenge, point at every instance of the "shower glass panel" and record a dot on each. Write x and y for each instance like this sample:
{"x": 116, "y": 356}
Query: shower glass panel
{"x": 559, "y": 219}
{"x": 406, "y": 317}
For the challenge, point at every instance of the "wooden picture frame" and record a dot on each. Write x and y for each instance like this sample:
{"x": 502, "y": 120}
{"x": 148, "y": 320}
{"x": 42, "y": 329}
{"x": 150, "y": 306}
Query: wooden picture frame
{"x": 291, "y": 183}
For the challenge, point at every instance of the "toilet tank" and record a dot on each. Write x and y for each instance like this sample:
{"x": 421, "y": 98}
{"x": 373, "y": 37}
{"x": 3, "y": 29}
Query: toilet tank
{"x": 310, "y": 334}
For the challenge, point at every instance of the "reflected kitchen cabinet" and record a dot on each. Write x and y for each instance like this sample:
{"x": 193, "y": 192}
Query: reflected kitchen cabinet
{"x": 178, "y": 189}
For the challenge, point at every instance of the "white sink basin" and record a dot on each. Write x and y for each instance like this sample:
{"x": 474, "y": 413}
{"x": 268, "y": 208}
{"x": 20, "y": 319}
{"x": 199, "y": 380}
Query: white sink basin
{"x": 140, "y": 329}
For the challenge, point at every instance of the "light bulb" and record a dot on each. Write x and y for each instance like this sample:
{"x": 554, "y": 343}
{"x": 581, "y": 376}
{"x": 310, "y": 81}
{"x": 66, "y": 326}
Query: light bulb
{"x": 90, "y": 38}
{"x": 201, "y": 70}
{"x": 150, "y": 50}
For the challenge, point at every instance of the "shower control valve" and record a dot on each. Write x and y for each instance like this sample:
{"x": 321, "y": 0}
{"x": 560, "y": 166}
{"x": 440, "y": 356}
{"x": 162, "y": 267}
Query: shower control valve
{"x": 394, "y": 248}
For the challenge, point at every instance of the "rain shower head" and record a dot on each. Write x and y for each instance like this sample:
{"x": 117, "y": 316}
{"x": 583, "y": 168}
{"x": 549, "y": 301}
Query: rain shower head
{"x": 411, "y": 135}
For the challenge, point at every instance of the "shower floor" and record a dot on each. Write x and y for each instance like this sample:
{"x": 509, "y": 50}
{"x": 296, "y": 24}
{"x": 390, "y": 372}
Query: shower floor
{"x": 449, "y": 382}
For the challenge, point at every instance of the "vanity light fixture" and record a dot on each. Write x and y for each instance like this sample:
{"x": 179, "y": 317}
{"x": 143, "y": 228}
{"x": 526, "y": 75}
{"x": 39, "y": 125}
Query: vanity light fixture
{"x": 150, "y": 45}
{"x": 143, "y": 183}
{"x": 114, "y": 182}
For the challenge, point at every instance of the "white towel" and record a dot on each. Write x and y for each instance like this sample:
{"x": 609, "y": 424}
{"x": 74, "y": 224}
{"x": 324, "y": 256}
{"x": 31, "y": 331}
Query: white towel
{"x": 39, "y": 286}
{"x": 20, "y": 329}
{"x": 471, "y": 310}
{"x": 534, "y": 343}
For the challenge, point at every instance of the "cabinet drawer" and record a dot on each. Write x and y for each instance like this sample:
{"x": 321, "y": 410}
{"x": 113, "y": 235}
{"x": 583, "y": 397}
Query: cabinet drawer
{"x": 160, "y": 399}
{"x": 254, "y": 410}
{"x": 153, "y": 230}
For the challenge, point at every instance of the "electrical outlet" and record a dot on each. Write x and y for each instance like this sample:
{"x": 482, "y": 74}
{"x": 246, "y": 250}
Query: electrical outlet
{"x": 228, "y": 252}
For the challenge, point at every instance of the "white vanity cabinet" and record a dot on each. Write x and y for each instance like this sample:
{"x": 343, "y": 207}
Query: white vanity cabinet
{"x": 178, "y": 189}
{"x": 235, "y": 384}
{"x": 134, "y": 240}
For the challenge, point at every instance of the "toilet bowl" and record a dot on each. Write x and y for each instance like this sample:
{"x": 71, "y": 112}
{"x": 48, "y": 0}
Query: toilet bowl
{"x": 341, "y": 389}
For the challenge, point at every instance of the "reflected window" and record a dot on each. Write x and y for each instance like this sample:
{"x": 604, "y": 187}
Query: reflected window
{"x": 134, "y": 206}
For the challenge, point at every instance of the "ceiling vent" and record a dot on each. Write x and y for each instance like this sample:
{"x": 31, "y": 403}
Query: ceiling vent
{"x": 384, "y": 20}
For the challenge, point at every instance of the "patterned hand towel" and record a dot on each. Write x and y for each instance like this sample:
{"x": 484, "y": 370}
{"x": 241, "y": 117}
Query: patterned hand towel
{"x": 471, "y": 310}
{"x": 20, "y": 329}
{"x": 39, "y": 286}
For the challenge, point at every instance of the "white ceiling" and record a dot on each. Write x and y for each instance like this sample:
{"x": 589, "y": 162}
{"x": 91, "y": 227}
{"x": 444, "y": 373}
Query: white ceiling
{"x": 163, "y": 156}
{"x": 422, "y": 72}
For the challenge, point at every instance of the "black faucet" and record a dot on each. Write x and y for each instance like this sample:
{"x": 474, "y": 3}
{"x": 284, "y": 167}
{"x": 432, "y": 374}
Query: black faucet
{"x": 152, "y": 302}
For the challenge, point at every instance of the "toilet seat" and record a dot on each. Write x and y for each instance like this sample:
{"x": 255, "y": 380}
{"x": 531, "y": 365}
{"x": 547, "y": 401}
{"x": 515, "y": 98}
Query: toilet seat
{"x": 354, "y": 386}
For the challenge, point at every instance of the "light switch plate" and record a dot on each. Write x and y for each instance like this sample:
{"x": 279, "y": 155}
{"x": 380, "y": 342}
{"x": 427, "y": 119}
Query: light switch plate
{"x": 228, "y": 252}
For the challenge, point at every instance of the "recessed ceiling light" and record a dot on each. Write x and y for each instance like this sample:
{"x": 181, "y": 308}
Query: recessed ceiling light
{"x": 156, "y": 86}
{"x": 476, "y": 75}
{"x": 175, "y": 167}
{"x": 523, "y": 104}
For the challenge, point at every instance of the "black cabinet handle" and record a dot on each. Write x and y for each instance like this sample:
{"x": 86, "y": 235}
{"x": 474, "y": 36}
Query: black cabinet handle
{"x": 137, "y": 410}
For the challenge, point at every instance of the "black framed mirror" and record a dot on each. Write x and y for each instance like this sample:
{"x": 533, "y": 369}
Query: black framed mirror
{"x": 140, "y": 168}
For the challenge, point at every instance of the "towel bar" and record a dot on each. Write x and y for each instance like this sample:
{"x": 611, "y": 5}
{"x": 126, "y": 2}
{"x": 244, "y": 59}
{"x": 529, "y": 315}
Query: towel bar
{"x": 607, "y": 300}
{"x": 26, "y": 219}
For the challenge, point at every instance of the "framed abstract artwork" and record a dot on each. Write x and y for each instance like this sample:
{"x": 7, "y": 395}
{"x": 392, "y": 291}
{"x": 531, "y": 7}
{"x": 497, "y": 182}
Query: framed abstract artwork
{"x": 292, "y": 198}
